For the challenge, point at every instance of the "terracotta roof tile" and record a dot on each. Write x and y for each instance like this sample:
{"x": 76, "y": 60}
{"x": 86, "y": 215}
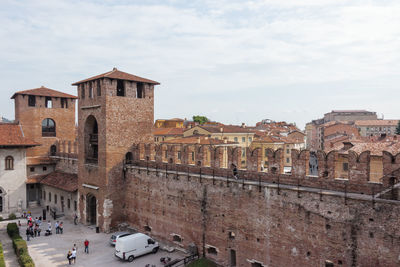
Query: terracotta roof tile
{"x": 12, "y": 135}
{"x": 227, "y": 129}
{"x": 199, "y": 140}
{"x": 61, "y": 180}
{"x": 43, "y": 91}
{"x": 120, "y": 75}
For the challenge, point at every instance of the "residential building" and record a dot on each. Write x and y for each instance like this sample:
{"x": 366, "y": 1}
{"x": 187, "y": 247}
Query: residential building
{"x": 169, "y": 123}
{"x": 376, "y": 127}
{"x": 165, "y": 134}
{"x": 13, "y": 146}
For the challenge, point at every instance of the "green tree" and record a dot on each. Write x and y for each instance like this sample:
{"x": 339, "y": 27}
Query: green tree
{"x": 398, "y": 128}
{"x": 200, "y": 119}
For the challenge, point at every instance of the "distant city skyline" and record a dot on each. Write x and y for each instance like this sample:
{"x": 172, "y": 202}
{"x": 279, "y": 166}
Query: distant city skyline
{"x": 232, "y": 61}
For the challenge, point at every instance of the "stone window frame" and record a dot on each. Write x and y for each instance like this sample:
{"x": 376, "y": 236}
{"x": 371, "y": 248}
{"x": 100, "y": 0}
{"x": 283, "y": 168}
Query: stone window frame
{"x": 47, "y": 129}
{"x": 9, "y": 163}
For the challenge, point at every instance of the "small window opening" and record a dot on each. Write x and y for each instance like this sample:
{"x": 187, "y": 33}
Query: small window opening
{"x": 49, "y": 196}
{"x": 82, "y": 91}
{"x": 328, "y": 226}
{"x": 120, "y": 88}
{"x": 179, "y": 155}
{"x": 231, "y": 235}
{"x": 9, "y": 163}
{"x": 55, "y": 198}
{"x": 31, "y": 101}
{"x": 75, "y": 205}
{"x": 329, "y": 264}
{"x": 64, "y": 103}
{"x": 129, "y": 158}
{"x": 345, "y": 166}
{"x": 256, "y": 264}
{"x": 53, "y": 150}
{"x": 147, "y": 228}
{"x": 68, "y": 203}
{"x": 212, "y": 250}
{"x": 49, "y": 102}
{"x": 371, "y": 234}
{"x": 177, "y": 238}
{"x": 371, "y": 219}
{"x": 91, "y": 90}
{"x": 44, "y": 168}
{"x": 233, "y": 258}
{"x": 308, "y": 253}
{"x": 98, "y": 88}
{"x": 340, "y": 262}
{"x": 140, "y": 90}
{"x": 32, "y": 169}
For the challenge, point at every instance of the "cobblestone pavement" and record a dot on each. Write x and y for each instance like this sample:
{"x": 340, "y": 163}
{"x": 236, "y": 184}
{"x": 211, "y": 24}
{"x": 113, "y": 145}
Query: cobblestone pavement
{"x": 52, "y": 250}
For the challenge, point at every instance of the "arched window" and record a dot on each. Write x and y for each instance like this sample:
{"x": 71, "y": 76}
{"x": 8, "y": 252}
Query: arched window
{"x": 91, "y": 140}
{"x": 48, "y": 127}
{"x": 129, "y": 158}
{"x": 9, "y": 163}
{"x": 53, "y": 150}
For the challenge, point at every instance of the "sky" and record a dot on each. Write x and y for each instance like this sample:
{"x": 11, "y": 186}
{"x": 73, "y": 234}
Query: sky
{"x": 232, "y": 61}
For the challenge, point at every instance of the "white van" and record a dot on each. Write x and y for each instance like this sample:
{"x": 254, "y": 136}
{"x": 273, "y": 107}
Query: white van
{"x": 132, "y": 246}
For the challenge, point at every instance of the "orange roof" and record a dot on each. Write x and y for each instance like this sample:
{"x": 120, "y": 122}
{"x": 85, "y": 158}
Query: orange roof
{"x": 43, "y": 91}
{"x": 12, "y": 135}
{"x": 199, "y": 140}
{"x": 34, "y": 179}
{"x": 61, "y": 180}
{"x": 375, "y": 147}
{"x": 120, "y": 75}
{"x": 168, "y": 131}
{"x": 226, "y": 129}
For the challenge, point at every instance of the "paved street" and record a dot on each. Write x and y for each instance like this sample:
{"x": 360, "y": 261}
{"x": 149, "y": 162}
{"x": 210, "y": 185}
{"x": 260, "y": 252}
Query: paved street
{"x": 52, "y": 250}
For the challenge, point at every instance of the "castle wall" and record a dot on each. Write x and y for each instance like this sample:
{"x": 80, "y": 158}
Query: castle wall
{"x": 276, "y": 227}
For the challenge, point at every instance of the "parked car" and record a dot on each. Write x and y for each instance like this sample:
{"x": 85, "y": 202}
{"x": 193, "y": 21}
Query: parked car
{"x": 115, "y": 236}
{"x": 132, "y": 246}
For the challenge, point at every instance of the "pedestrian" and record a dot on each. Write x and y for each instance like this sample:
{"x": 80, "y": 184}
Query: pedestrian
{"x": 69, "y": 256}
{"x": 75, "y": 219}
{"x": 74, "y": 254}
{"x": 31, "y": 231}
{"x": 35, "y": 229}
{"x": 61, "y": 227}
{"x": 39, "y": 230}
{"x": 86, "y": 243}
{"x": 57, "y": 227}
{"x": 19, "y": 223}
{"x": 235, "y": 172}
{"x": 28, "y": 233}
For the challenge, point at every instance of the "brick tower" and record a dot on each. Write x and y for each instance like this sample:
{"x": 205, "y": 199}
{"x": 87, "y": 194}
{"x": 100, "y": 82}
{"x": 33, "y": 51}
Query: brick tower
{"x": 46, "y": 116}
{"x": 115, "y": 110}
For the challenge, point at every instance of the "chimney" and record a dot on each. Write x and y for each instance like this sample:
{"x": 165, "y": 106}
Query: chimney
{"x": 243, "y": 125}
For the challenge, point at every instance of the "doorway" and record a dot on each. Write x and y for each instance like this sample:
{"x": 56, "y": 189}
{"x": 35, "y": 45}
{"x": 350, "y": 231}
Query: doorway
{"x": 91, "y": 209}
{"x": 232, "y": 258}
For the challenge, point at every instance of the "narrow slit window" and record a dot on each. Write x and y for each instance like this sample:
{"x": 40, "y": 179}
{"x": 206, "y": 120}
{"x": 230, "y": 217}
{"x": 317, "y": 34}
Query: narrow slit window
{"x": 140, "y": 90}
{"x": 98, "y": 88}
{"x": 49, "y": 102}
{"x": 31, "y": 101}
{"x": 120, "y": 88}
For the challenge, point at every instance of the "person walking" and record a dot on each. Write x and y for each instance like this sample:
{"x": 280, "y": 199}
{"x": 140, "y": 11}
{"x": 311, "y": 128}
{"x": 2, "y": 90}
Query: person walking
{"x": 74, "y": 254}
{"x": 60, "y": 227}
{"x": 86, "y": 243}
{"x": 69, "y": 257}
{"x": 76, "y": 219}
{"x": 56, "y": 225}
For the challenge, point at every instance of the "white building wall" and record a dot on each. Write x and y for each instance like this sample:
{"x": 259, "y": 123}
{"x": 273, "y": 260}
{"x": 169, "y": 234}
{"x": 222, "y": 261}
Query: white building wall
{"x": 68, "y": 212}
{"x": 12, "y": 182}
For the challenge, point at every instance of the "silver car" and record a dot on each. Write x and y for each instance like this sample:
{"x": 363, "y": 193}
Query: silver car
{"x": 117, "y": 235}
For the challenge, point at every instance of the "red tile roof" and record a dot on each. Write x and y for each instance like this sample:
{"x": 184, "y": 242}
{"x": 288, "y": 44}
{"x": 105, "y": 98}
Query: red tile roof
{"x": 200, "y": 140}
{"x": 43, "y": 91}
{"x": 61, "y": 180}
{"x": 12, "y": 135}
{"x": 120, "y": 75}
{"x": 226, "y": 129}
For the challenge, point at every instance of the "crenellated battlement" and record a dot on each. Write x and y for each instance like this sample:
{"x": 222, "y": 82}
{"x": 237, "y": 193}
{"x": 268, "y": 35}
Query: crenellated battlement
{"x": 221, "y": 161}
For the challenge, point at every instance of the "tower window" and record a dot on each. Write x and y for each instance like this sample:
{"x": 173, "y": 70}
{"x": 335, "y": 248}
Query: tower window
{"x": 48, "y": 128}
{"x": 90, "y": 90}
{"x": 31, "y": 101}
{"x": 82, "y": 91}
{"x": 98, "y": 88}
{"x": 9, "y": 163}
{"x": 49, "y": 103}
{"x": 140, "y": 90}
{"x": 120, "y": 88}
{"x": 64, "y": 103}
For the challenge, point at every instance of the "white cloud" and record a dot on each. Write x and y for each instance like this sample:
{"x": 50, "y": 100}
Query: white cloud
{"x": 219, "y": 49}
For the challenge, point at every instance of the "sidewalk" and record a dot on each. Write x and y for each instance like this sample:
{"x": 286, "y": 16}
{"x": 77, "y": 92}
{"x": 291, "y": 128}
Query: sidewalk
{"x": 8, "y": 250}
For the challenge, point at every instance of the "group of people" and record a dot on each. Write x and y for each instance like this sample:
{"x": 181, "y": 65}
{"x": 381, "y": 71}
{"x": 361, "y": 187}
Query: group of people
{"x": 71, "y": 255}
{"x": 33, "y": 229}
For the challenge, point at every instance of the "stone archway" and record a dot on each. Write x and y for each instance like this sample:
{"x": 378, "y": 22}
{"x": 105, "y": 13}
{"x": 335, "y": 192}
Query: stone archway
{"x": 91, "y": 209}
